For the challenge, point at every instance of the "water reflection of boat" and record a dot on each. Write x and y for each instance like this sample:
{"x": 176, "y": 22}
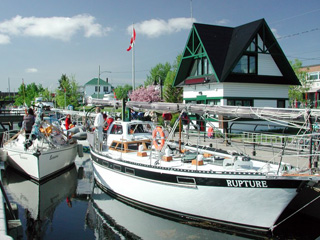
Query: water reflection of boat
{"x": 40, "y": 200}
{"x": 112, "y": 219}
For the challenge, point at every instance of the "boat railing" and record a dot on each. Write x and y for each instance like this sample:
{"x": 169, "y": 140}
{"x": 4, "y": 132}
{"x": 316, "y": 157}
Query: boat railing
{"x": 298, "y": 143}
{"x": 9, "y": 136}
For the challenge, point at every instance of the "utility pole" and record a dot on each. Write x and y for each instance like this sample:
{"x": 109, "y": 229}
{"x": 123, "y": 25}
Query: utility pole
{"x": 99, "y": 82}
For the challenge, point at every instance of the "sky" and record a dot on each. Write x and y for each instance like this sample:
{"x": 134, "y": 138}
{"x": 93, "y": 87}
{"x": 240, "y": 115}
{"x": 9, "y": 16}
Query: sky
{"x": 41, "y": 40}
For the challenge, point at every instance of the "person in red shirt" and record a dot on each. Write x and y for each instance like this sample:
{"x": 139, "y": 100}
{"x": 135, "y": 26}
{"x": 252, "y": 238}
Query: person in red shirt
{"x": 67, "y": 122}
{"x": 109, "y": 121}
{"x": 167, "y": 119}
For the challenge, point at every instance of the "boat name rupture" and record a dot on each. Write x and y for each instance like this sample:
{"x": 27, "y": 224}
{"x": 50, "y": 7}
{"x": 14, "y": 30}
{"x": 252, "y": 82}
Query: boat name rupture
{"x": 247, "y": 183}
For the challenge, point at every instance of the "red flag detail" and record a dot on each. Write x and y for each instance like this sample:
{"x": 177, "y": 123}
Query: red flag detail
{"x": 133, "y": 39}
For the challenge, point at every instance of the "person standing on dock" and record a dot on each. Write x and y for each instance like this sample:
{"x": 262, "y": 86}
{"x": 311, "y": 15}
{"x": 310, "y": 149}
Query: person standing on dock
{"x": 28, "y": 121}
{"x": 98, "y": 124}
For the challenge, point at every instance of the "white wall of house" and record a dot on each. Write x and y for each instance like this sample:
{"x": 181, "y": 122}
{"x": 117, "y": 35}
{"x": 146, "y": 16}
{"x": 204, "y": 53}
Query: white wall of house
{"x": 241, "y": 90}
{"x": 90, "y": 89}
{"x": 255, "y": 90}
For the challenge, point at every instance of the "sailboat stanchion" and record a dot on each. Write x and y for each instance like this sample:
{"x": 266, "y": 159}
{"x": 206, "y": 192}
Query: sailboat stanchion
{"x": 180, "y": 126}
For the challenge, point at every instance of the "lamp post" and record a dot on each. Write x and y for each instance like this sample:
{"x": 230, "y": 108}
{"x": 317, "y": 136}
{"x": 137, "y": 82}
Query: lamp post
{"x": 160, "y": 83}
{"x": 99, "y": 79}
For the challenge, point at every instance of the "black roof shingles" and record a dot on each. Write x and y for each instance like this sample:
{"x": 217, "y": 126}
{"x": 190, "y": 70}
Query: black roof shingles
{"x": 225, "y": 46}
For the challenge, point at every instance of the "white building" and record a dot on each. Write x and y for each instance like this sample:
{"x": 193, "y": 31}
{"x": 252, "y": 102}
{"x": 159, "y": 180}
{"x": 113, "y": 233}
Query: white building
{"x": 313, "y": 77}
{"x": 241, "y": 66}
{"x": 98, "y": 89}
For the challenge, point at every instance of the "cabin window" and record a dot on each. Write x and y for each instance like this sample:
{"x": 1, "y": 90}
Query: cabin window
{"x": 105, "y": 163}
{"x": 186, "y": 180}
{"x": 139, "y": 128}
{"x": 130, "y": 171}
{"x": 105, "y": 89}
{"x": 117, "y": 167}
{"x": 97, "y": 89}
{"x": 116, "y": 129}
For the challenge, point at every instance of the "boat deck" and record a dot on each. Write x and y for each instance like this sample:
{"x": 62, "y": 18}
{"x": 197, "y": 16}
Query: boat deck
{"x": 189, "y": 161}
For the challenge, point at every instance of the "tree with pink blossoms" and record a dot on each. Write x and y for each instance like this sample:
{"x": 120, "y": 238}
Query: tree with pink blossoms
{"x": 150, "y": 93}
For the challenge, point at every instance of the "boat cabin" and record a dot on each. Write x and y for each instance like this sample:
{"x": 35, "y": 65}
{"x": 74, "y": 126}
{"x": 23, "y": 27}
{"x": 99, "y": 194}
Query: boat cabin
{"x": 129, "y": 131}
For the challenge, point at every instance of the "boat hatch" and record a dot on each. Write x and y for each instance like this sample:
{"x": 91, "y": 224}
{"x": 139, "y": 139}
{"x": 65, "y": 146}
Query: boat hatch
{"x": 129, "y": 146}
{"x": 186, "y": 180}
{"x": 130, "y": 171}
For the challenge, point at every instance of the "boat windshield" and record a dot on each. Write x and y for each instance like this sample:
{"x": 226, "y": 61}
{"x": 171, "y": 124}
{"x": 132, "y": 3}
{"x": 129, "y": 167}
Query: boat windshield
{"x": 139, "y": 128}
{"x": 116, "y": 129}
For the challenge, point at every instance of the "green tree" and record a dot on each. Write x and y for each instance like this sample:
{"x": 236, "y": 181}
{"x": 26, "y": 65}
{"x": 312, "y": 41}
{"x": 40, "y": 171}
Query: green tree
{"x": 159, "y": 71}
{"x": 171, "y": 93}
{"x": 28, "y": 93}
{"x": 67, "y": 92}
{"x": 297, "y": 93}
{"x": 122, "y": 91}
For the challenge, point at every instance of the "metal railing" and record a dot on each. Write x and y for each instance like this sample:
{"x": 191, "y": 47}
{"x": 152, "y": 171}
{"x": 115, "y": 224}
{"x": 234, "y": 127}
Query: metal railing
{"x": 293, "y": 142}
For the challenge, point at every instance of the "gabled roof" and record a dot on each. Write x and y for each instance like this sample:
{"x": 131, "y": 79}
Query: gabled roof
{"x": 224, "y": 46}
{"x": 94, "y": 82}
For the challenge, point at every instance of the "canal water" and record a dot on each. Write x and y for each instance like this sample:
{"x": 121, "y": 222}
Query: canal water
{"x": 70, "y": 206}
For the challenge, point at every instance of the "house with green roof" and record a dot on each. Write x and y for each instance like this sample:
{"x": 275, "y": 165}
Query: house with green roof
{"x": 97, "y": 88}
{"x": 241, "y": 66}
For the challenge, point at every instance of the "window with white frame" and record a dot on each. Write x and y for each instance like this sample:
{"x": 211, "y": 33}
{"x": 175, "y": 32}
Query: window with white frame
{"x": 313, "y": 76}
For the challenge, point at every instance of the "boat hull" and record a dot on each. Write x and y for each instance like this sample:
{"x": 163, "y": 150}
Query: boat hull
{"x": 251, "y": 201}
{"x": 41, "y": 165}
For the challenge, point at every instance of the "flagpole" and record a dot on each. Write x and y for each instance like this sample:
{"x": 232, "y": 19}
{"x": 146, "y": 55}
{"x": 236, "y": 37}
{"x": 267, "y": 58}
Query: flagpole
{"x": 133, "y": 65}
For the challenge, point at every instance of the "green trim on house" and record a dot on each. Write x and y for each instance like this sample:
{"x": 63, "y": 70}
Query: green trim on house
{"x": 94, "y": 82}
{"x": 220, "y": 49}
{"x": 207, "y": 98}
{"x": 194, "y": 49}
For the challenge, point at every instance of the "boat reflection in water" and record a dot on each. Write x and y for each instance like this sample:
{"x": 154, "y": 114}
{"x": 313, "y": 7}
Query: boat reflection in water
{"x": 39, "y": 201}
{"x": 112, "y": 219}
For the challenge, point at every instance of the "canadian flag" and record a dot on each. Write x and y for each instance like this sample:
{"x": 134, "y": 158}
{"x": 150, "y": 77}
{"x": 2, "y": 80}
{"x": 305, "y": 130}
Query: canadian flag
{"x": 133, "y": 38}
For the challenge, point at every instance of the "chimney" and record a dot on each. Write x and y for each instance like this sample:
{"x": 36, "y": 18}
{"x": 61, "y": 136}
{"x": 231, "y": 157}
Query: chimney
{"x": 107, "y": 80}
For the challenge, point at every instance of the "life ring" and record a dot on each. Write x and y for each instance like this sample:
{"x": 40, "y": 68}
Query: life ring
{"x": 158, "y": 130}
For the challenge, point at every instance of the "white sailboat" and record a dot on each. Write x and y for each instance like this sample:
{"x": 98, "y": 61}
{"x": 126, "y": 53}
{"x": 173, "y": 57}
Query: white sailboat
{"x": 46, "y": 152}
{"x": 203, "y": 183}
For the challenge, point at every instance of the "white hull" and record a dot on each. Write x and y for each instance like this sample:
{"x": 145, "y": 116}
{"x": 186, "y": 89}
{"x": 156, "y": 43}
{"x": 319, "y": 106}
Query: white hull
{"x": 44, "y": 164}
{"x": 256, "y": 204}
